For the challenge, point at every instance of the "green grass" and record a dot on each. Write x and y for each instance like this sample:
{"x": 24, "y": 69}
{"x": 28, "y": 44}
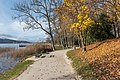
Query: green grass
{"x": 82, "y": 68}
{"x": 16, "y": 71}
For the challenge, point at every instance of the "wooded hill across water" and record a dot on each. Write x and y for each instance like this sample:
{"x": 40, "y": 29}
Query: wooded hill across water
{"x": 12, "y": 41}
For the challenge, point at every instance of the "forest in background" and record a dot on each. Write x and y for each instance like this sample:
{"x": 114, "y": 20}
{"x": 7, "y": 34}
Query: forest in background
{"x": 71, "y": 22}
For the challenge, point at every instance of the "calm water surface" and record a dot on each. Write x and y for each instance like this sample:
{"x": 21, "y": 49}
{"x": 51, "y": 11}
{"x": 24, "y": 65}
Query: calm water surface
{"x": 9, "y": 45}
{"x": 6, "y": 60}
{"x": 12, "y": 45}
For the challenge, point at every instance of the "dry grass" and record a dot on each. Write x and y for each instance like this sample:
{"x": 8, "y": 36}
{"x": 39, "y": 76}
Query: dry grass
{"x": 3, "y": 50}
{"x": 104, "y": 57}
{"x": 31, "y": 50}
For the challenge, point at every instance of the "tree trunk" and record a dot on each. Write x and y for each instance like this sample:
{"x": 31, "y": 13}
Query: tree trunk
{"x": 83, "y": 41}
{"x": 66, "y": 39}
{"x": 114, "y": 28}
{"x": 51, "y": 35}
{"x": 52, "y": 42}
{"x": 62, "y": 41}
{"x": 79, "y": 41}
{"x": 118, "y": 32}
{"x": 115, "y": 24}
{"x": 73, "y": 41}
{"x": 84, "y": 44}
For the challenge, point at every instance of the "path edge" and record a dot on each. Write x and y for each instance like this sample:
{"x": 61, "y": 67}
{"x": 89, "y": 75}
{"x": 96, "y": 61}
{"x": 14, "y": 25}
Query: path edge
{"x": 69, "y": 62}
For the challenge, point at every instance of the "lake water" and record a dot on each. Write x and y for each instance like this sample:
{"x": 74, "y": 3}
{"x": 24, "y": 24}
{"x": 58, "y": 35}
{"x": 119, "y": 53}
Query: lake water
{"x": 6, "y": 60}
{"x": 12, "y": 45}
{"x": 9, "y": 45}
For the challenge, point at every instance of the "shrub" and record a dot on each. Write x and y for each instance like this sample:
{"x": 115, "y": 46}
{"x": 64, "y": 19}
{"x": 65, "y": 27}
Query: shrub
{"x": 31, "y": 50}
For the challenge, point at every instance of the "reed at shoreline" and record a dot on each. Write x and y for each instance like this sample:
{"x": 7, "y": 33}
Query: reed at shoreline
{"x": 4, "y": 50}
{"x": 27, "y": 51}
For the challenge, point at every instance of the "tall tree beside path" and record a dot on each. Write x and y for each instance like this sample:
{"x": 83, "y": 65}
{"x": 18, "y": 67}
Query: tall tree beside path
{"x": 78, "y": 13}
{"x": 35, "y": 13}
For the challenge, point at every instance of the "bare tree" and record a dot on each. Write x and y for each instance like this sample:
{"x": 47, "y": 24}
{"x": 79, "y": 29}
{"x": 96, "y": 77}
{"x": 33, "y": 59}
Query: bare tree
{"x": 37, "y": 13}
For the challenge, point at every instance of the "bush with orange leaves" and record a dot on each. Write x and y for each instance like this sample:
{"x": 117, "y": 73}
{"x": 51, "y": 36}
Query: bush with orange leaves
{"x": 104, "y": 57}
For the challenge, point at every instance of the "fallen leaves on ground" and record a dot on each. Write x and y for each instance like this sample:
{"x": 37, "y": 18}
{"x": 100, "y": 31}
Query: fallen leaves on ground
{"x": 104, "y": 57}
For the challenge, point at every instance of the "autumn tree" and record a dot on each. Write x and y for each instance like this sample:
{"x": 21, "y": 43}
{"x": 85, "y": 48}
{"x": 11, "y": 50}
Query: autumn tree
{"x": 64, "y": 20}
{"x": 112, "y": 9}
{"x": 78, "y": 13}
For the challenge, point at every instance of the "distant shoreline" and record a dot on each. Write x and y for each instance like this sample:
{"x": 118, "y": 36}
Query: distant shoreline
{"x": 15, "y": 43}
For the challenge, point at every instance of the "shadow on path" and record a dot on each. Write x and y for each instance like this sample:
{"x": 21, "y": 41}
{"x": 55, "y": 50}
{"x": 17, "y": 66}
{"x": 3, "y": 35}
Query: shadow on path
{"x": 65, "y": 77}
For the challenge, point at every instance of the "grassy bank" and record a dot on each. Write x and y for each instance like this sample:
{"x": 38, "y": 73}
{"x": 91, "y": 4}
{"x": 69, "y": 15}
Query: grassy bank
{"x": 82, "y": 68}
{"x": 16, "y": 71}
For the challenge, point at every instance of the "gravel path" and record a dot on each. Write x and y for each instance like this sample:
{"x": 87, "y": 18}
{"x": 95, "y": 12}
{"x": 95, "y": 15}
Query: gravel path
{"x": 50, "y": 68}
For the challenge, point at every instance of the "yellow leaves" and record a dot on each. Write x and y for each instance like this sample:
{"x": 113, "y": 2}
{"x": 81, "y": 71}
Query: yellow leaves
{"x": 84, "y": 7}
{"x": 89, "y": 21}
{"x": 68, "y": 4}
{"x": 83, "y": 27}
{"x": 79, "y": 12}
{"x": 75, "y": 25}
{"x": 86, "y": 16}
{"x": 83, "y": 0}
{"x": 80, "y": 17}
{"x": 83, "y": 18}
{"x": 83, "y": 22}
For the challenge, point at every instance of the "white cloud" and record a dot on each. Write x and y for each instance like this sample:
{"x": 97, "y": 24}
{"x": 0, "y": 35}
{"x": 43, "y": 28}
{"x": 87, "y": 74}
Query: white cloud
{"x": 16, "y": 25}
{"x": 1, "y": 24}
{"x": 16, "y": 29}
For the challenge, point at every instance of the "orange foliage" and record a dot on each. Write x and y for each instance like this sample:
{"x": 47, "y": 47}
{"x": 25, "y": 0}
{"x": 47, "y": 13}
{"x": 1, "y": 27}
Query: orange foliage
{"x": 104, "y": 57}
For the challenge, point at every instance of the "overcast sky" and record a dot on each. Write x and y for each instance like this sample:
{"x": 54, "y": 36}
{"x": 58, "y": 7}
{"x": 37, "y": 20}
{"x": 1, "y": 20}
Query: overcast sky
{"x": 13, "y": 27}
